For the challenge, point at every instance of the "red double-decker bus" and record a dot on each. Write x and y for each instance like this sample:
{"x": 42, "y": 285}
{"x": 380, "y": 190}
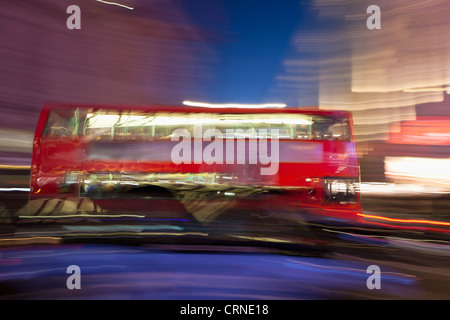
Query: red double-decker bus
{"x": 135, "y": 158}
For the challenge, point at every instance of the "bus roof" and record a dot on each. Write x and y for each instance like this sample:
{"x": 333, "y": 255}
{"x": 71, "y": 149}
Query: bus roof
{"x": 313, "y": 110}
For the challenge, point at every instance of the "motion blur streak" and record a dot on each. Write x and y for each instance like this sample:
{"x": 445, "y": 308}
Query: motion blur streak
{"x": 115, "y": 90}
{"x": 381, "y": 75}
{"x": 30, "y": 240}
{"x": 154, "y": 55}
{"x": 395, "y": 80}
{"x": 405, "y": 220}
{"x": 3, "y": 166}
{"x": 424, "y": 131}
{"x": 4, "y": 262}
{"x": 116, "y": 272}
{"x": 83, "y": 216}
{"x": 382, "y": 188}
{"x": 424, "y": 170}
{"x": 120, "y": 235}
{"x": 397, "y": 228}
{"x": 402, "y": 277}
{"x": 426, "y": 246}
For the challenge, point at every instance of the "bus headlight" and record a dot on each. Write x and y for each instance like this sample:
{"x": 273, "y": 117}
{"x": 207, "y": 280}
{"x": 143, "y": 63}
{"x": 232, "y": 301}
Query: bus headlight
{"x": 341, "y": 190}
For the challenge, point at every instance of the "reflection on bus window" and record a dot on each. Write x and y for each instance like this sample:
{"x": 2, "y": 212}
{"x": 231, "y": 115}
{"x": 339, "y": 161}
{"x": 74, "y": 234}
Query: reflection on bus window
{"x": 62, "y": 124}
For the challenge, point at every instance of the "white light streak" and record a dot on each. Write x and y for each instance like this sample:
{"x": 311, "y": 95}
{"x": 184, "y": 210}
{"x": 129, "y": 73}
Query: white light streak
{"x": 84, "y": 216}
{"x": 422, "y": 169}
{"x": 427, "y": 89}
{"x": 233, "y": 105}
{"x": 116, "y": 4}
{"x": 15, "y": 189}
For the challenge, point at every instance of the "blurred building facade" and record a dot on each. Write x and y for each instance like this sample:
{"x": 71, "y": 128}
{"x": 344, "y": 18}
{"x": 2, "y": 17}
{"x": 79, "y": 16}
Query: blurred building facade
{"x": 391, "y": 78}
{"x": 148, "y": 52}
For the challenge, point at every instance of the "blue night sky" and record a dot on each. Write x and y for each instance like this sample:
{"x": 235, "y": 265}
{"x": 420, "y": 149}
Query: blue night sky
{"x": 257, "y": 40}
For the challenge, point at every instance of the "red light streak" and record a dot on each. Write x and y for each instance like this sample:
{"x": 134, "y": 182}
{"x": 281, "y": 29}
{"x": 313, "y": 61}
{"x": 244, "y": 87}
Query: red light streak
{"x": 439, "y": 223}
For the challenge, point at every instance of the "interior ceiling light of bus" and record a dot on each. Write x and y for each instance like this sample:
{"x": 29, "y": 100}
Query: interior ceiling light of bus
{"x": 116, "y": 120}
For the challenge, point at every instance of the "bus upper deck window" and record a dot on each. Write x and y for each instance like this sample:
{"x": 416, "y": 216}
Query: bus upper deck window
{"x": 339, "y": 131}
{"x": 328, "y": 129}
{"x": 61, "y": 124}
